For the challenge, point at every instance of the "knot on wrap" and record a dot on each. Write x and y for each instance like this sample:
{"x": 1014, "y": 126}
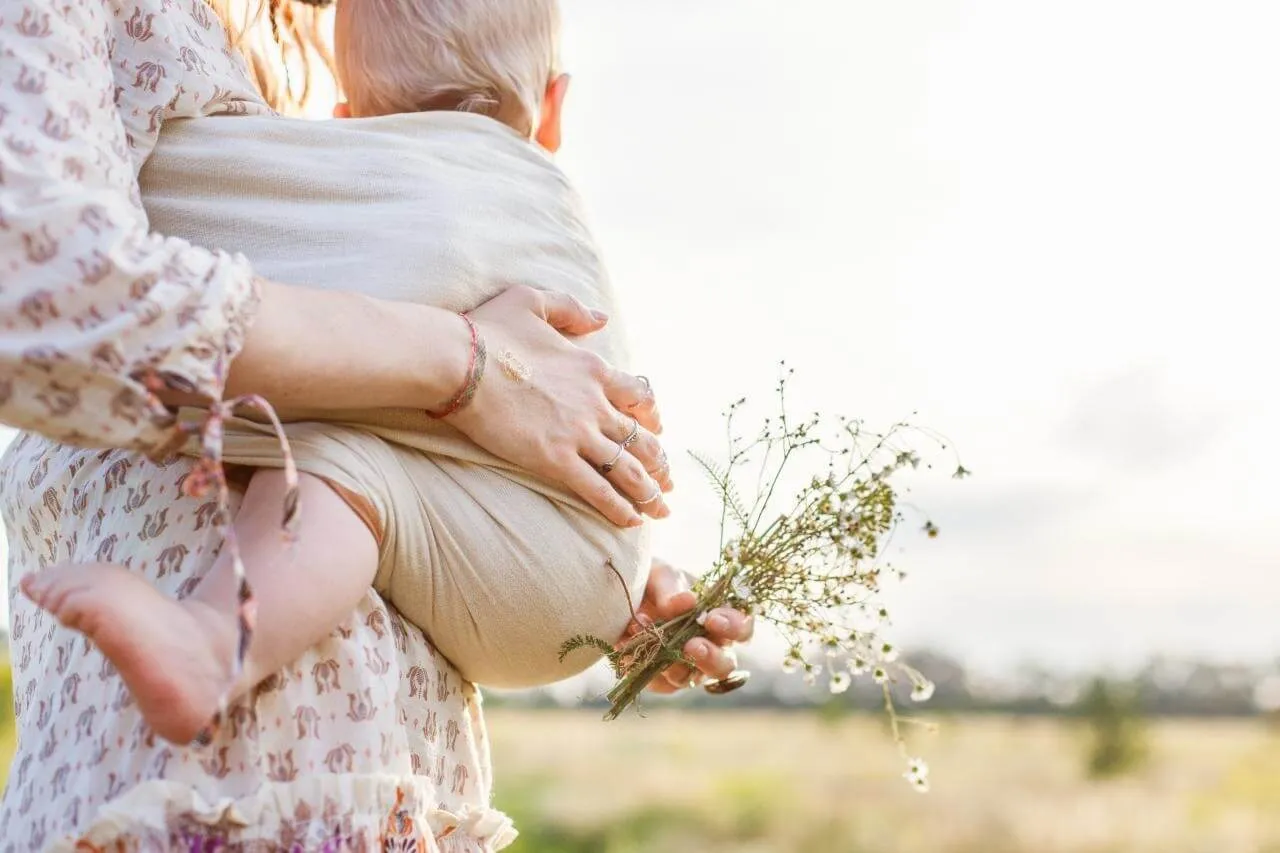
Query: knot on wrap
{"x": 497, "y": 566}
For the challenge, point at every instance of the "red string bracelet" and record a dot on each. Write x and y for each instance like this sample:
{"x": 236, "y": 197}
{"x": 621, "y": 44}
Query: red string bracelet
{"x": 475, "y": 370}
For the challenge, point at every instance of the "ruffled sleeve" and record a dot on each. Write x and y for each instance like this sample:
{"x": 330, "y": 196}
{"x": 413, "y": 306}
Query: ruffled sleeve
{"x": 96, "y": 313}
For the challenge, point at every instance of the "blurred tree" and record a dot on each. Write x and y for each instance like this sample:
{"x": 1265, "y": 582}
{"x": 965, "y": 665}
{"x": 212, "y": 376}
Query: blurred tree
{"x": 1117, "y": 743}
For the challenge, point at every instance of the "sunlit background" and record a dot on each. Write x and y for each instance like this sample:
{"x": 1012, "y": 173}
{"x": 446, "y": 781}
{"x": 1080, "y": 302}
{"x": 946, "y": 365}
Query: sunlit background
{"x": 1050, "y": 229}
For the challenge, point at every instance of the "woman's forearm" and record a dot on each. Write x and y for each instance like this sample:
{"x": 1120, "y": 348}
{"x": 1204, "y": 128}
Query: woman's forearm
{"x": 318, "y": 349}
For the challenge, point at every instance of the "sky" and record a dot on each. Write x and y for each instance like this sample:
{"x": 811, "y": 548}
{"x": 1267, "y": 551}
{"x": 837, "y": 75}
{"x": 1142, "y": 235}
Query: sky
{"x": 1047, "y": 228}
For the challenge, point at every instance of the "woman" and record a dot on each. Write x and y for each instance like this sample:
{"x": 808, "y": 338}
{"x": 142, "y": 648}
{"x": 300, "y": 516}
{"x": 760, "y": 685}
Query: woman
{"x": 368, "y": 739}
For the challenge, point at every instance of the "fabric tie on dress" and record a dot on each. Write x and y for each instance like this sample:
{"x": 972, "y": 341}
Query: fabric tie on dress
{"x": 209, "y": 473}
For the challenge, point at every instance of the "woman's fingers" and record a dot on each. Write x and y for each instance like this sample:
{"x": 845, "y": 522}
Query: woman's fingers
{"x": 712, "y": 660}
{"x": 586, "y": 482}
{"x": 645, "y": 447}
{"x": 628, "y": 477}
{"x": 726, "y": 625}
{"x": 677, "y": 677}
{"x": 662, "y": 686}
{"x": 568, "y": 315}
{"x": 632, "y": 395}
{"x": 667, "y": 594}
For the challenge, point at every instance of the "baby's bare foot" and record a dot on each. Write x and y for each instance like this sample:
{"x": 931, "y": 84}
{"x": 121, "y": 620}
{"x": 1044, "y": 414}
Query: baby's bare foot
{"x": 174, "y": 656}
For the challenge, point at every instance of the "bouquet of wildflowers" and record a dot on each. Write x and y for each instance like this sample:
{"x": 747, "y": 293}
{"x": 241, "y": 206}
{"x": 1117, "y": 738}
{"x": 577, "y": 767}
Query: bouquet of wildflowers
{"x": 812, "y": 568}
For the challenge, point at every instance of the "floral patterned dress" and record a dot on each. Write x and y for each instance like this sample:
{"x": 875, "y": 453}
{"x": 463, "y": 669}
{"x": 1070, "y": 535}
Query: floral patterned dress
{"x": 370, "y": 740}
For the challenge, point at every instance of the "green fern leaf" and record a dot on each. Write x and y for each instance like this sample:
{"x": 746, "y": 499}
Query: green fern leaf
{"x": 582, "y": 641}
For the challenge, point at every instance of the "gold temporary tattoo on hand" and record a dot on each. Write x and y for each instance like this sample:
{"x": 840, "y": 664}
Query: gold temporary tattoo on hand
{"x": 515, "y": 369}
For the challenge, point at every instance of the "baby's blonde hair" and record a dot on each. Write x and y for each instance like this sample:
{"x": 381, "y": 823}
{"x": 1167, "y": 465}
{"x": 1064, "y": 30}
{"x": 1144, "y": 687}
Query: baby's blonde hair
{"x": 493, "y": 57}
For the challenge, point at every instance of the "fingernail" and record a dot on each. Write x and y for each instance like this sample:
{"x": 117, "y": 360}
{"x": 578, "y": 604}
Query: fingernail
{"x": 717, "y": 623}
{"x": 700, "y": 651}
{"x": 600, "y": 316}
{"x": 635, "y": 521}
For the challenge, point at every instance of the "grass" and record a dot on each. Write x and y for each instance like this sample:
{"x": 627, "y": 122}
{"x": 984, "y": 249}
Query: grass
{"x": 771, "y": 782}
{"x": 794, "y": 782}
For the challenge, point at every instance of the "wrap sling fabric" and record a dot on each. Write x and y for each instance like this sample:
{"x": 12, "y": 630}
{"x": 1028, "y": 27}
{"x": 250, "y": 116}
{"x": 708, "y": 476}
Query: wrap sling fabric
{"x": 497, "y": 566}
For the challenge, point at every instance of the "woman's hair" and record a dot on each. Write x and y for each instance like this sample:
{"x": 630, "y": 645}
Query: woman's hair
{"x": 493, "y": 57}
{"x": 284, "y": 44}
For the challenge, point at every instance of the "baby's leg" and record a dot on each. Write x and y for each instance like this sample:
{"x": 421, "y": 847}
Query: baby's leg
{"x": 177, "y": 656}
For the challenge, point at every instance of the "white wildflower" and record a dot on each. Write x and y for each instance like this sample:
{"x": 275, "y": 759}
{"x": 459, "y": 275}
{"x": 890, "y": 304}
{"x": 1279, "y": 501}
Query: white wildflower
{"x": 923, "y": 691}
{"x": 888, "y": 653}
{"x": 918, "y": 774}
{"x": 859, "y": 666}
{"x": 840, "y": 682}
{"x": 880, "y": 675}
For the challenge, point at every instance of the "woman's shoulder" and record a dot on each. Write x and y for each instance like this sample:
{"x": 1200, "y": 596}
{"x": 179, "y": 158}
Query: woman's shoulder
{"x": 170, "y": 59}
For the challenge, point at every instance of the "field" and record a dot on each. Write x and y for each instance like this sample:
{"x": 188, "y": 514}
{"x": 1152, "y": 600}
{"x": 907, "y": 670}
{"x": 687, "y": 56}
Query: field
{"x": 771, "y": 782}
{"x": 798, "y": 783}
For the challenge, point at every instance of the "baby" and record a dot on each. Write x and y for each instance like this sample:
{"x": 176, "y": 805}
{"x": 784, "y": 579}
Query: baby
{"x": 496, "y": 567}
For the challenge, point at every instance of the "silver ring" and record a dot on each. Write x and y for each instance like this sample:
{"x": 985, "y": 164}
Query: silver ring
{"x": 728, "y": 684}
{"x": 633, "y": 435}
{"x": 608, "y": 466}
{"x": 657, "y": 493}
{"x": 648, "y": 388}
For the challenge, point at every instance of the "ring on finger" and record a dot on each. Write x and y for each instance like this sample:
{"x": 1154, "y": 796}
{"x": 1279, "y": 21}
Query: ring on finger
{"x": 734, "y": 680}
{"x": 609, "y": 466}
{"x": 657, "y": 493}
{"x": 632, "y": 435}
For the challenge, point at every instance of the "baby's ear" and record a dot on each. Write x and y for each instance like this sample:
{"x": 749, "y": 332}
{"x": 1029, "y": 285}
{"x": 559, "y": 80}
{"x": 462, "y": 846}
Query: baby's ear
{"x": 342, "y": 110}
{"x": 548, "y": 133}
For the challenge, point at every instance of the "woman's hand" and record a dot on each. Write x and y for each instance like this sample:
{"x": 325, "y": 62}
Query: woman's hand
{"x": 563, "y": 412}
{"x": 667, "y": 596}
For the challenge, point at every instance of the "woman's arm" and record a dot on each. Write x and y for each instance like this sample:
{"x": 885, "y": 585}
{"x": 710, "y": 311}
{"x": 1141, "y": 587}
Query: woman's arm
{"x": 331, "y": 350}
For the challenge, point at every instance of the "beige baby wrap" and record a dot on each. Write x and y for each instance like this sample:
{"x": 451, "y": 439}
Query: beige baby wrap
{"x": 498, "y": 566}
